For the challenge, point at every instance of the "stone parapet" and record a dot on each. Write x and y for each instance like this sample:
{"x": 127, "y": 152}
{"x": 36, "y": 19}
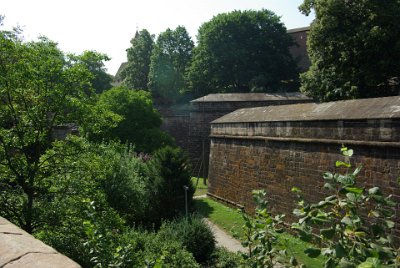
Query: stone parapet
{"x": 18, "y": 249}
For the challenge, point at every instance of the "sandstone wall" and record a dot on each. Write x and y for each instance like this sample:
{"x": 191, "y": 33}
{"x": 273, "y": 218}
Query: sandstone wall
{"x": 176, "y": 122}
{"x": 263, "y": 149}
{"x": 19, "y": 249}
{"x": 190, "y": 124}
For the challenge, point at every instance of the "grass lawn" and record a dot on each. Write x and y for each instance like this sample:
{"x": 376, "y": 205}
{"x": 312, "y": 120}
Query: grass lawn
{"x": 231, "y": 220}
{"x": 201, "y": 188}
{"x": 225, "y": 217}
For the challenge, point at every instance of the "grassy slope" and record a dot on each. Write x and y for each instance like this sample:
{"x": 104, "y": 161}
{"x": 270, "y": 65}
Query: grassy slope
{"x": 232, "y": 221}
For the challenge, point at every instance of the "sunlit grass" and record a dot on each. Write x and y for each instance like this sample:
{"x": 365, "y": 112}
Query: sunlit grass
{"x": 200, "y": 188}
{"x": 232, "y": 222}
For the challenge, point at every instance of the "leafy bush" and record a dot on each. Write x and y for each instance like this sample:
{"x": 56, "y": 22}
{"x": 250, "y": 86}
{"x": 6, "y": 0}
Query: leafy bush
{"x": 194, "y": 234}
{"x": 169, "y": 172}
{"x": 352, "y": 224}
{"x": 222, "y": 258}
{"x": 71, "y": 187}
{"x": 168, "y": 253}
{"x": 124, "y": 182}
{"x": 136, "y": 248}
{"x": 261, "y": 236}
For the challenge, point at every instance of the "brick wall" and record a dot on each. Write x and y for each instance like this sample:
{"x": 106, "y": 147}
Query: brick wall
{"x": 278, "y": 155}
{"x": 299, "y": 52}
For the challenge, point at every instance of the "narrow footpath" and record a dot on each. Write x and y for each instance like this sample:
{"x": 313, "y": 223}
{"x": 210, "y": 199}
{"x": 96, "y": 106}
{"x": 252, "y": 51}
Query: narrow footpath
{"x": 225, "y": 240}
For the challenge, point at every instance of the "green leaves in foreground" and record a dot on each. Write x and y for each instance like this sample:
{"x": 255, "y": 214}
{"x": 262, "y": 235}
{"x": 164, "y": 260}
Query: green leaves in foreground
{"x": 353, "y": 224}
{"x": 261, "y": 237}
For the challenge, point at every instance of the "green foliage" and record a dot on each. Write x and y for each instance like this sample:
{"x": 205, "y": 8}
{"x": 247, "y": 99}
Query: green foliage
{"x": 352, "y": 224}
{"x": 94, "y": 62}
{"x": 41, "y": 89}
{"x": 136, "y": 73}
{"x": 222, "y": 258}
{"x": 261, "y": 236}
{"x": 134, "y": 248}
{"x": 73, "y": 186}
{"x": 194, "y": 234}
{"x": 139, "y": 123}
{"x": 242, "y": 51}
{"x": 167, "y": 253}
{"x": 169, "y": 60}
{"x": 70, "y": 193}
{"x": 169, "y": 172}
{"x": 124, "y": 182}
{"x": 353, "y": 48}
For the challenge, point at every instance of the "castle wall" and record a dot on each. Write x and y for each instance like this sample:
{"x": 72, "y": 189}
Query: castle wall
{"x": 281, "y": 147}
{"x": 190, "y": 124}
{"x": 176, "y": 119}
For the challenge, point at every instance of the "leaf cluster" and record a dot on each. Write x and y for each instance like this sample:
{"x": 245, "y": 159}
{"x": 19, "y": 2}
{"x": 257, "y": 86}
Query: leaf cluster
{"x": 170, "y": 57}
{"x": 241, "y": 51}
{"x": 352, "y": 225}
{"x": 136, "y": 120}
{"x": 136, "y": 73}
{"x": 261, "y": 236}
{"x": 353, "y": 48}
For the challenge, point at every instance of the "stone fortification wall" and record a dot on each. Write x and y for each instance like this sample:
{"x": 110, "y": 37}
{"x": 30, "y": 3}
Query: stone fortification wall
{"x": 189, "y": 124}
{"x": 19, "y": 249}
{"x": 176, "y": 122}
{"x": 277, "y": 148}
{"x": 208, "y": 108}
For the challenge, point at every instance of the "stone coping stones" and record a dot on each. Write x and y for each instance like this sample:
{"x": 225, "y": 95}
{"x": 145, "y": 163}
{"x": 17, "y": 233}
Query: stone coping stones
{"x": 20, "y": 249}
{"x": 248, "y": 97}
{"x": 375, "y": 108}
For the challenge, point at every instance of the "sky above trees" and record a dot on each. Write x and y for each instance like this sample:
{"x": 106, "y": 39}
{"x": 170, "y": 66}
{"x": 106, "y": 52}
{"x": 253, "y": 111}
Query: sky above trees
{"x": 108, "y": 26}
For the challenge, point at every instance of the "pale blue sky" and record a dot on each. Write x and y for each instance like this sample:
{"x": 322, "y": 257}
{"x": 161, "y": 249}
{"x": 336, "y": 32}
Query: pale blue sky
{"x": 108, "y": 26}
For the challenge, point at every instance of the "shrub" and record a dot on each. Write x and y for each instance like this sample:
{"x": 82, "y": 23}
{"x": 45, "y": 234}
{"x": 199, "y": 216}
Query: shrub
{"x": 147, "y": 249}
{"x": 194, "y": 234}
{"x": 352, "y": 224}
{"x": 261, "y": 236}
{"x": 169, "y": 172}
{"x": 133, "y": 248}
{"x": 222, "y": 258}
{"x": 125, "y": 183}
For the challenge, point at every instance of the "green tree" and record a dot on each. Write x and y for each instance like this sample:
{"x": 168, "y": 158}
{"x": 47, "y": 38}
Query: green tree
{"x": 136, "y": 74}
{"x": 139, "y": 121}
{"x": 40, "y": 90}
{"x": 242, "y": 51}
{"x": 169, "y": 60}
{"x": 94, "y": 62}
{"x": 169, "y": 170}
{"x": 354, "y": 47}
